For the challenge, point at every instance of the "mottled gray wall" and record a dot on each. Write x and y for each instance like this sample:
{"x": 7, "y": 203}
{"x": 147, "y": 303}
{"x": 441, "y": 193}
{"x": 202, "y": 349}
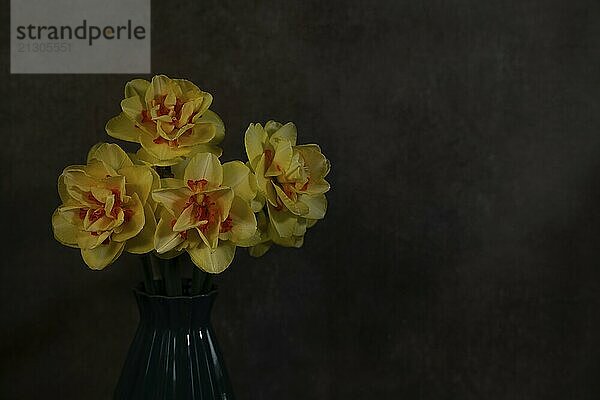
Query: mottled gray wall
{"x": 459, "y": 256}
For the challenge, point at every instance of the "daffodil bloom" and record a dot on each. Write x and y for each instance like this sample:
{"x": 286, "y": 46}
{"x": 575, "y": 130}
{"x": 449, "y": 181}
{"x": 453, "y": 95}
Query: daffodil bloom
{"x": 267, "y": 235}
{"x": 105, "y": 206}
{"x": 205, "y": 211}
{"x": 290, "y": 177}
{"x": 169, "y": 118}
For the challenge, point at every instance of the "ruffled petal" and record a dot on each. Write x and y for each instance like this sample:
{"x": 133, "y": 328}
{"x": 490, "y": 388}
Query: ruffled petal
{"x": 145, "y": 157}
{"x": 138, "y": 179}
{"x": 211, "y": 118}
{"x": 136, "y": 222}
{"x": 165, "y": 239}
{"x": 162, "y": 151}
{"x": 111, "y": 154}
{"x": 264, "y": 185}
{"x": 290, "y": 241}
{"x": 254, "y": 140}
{"x": 316, "y": 163}
{"x": 132, "y": 107}
{"x": 260, "y": 249}
{"x": 286, "y": 133}
{"x": 185, "y": 220}
{"x": 204, "y": 166}
{"x": 64, "y": 232}
{"x": 173, "y": 200}
{"x": 198, "y": 134}
{"x": 124, "y": 128}
{"x": 317, "y": 205}
{"x": 243, "y": 221}
{"x": 295, "y": 207}
{"x": 103, "y": 255}
{"x": 281, "y": 159}
{"x": 136, "y": 87}
{"x": 238, "y": 176}
{"x": 143, "y": 242}
{"x": 283, "y": 221}
{"x": 272, "y": 126}
{"x": 213, "y": 261}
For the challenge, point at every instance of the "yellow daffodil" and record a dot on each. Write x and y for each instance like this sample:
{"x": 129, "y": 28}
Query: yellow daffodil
{"x": 169, "y": 118}
{"x": 290, "y": 177}
{"x": 205, "y": 211}
{"x": 266, "y": 235}
{"x": 105, "y": 206}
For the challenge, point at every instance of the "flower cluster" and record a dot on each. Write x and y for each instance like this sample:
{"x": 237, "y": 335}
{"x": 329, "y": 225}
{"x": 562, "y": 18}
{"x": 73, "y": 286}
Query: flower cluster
{"x": 174, "y": 195}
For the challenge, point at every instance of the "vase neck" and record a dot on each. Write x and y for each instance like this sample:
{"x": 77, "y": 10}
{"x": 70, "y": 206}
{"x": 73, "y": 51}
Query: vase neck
{"x": 185, "y": 312}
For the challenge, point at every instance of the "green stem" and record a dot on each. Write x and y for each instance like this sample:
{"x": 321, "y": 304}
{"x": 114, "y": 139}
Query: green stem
{"x": 207, "y": 283}
{"x": 162, "y": 271}
{"x": 148, "y": 276}
{"x": 197, "y": 280}
{"x": 172, "y": 277}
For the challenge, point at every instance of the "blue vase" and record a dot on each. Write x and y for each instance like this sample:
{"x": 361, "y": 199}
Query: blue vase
{"x": 174, "y": 354}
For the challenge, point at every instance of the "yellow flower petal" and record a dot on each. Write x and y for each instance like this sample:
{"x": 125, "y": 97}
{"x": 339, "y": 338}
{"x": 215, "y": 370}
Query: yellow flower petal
{"x": 165, "y": 239}
{"x": 281, "y": 159}
{"x": 211, "y": 118}
{"x": 259, "y": 249}
{"x": 272, "y": 126}
{"x": 238, "y": 176}
{"x": 223, "y": 197}
{"x": 111, "y": 154}
{"x": 64, "y": 232}
{"x": 162, "y": 151}
{"x": 123, "y": 127}
{"x": 286, "y": 133}
{"x": 145, "y": 157}
{"x": 136, "y": 87}
{"x": 204, "y": 166}
{"x": 132, "y": 107}
{"x": 91, "y": 240}
{"x": 198, "y": 134}
{"x": 213, "y": 261}
{"x": 185, "y": 220}
{"x": 283, "y": 221}
{"x": 210, "y": 235}
{"x": 205, "y": 148}
{"x": 260, "y": 234}
{"x": 243, "y": 220}
{"x": 316, "y": 163}
{"x": 254, "y": 140}
{"x": 103, "y": 255}
{"x": 291, "y": 241}
{"x": 172, "y": 199}
{"x": 138, "y": 179}
{"x": 317, "y": 205}
{"x": 99, "y": 169}
{"x": 172, "y": 183}
{"x": 295, "y": 207}
{"x": 143, "y": 242}
{"x": 135, "y": 224}
{"x": 191, "y": 92}
{"x": 62, "y": 190}
{"x": 160, "y": 86}
{"x": 264, "y": 185}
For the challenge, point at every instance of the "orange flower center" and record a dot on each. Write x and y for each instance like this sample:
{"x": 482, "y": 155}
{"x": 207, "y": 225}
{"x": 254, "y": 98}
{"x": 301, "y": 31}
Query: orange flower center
{"x": 99, "y": 211}
{"x": 226, "y": 225}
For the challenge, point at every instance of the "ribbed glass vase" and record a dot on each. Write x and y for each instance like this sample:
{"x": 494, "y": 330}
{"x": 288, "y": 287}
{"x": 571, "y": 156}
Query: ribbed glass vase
{"x": 174, "y": 354}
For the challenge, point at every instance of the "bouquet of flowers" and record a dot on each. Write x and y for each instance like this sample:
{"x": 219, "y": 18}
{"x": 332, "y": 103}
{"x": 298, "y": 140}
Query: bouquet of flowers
{"x": 174, "y": 196}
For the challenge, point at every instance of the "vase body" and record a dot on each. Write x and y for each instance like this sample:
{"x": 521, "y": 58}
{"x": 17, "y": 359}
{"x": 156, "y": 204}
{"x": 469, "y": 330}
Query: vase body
{"x": 174, "y": 354}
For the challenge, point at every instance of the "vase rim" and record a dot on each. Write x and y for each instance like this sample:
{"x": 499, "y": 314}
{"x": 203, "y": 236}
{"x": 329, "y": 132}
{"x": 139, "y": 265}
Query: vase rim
{"x": 140, "y": 291}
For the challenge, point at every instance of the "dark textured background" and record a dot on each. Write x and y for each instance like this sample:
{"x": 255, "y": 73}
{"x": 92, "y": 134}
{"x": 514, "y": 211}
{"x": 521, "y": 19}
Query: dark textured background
{"x": 459, "y": 256}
